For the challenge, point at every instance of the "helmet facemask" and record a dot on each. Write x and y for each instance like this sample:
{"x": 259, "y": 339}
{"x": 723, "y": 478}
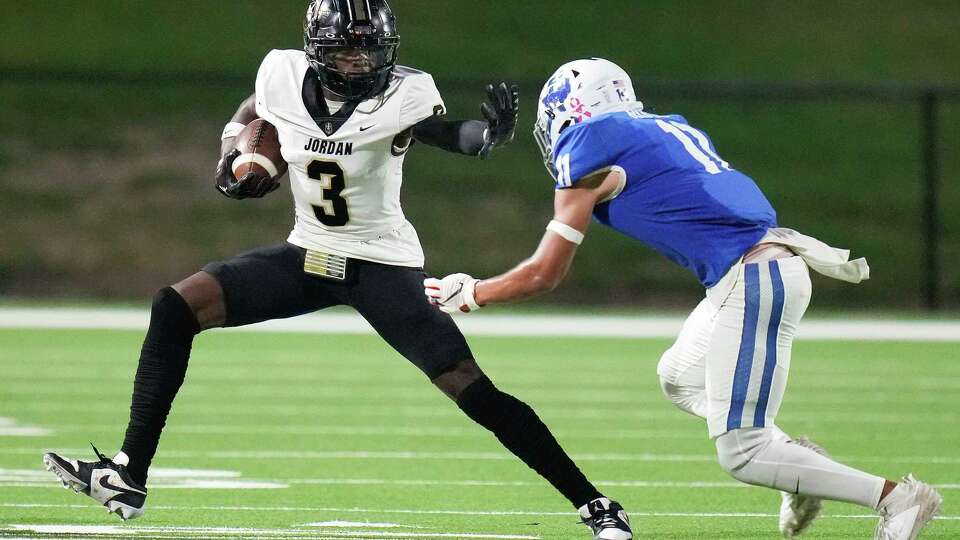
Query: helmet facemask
{"x": 352, "y": 45}
{"x": 543, "y": 133}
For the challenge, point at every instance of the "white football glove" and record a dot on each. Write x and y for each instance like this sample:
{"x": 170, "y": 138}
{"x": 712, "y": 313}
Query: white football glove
{"x": 452, "y": 293}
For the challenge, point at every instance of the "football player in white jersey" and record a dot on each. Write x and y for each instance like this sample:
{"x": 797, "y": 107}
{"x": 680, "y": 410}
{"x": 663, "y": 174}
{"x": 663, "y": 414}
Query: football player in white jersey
{"x": 346, "y": 115}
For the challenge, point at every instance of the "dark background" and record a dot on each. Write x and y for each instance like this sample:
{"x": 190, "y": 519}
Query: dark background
{"x": 111, "y": 113}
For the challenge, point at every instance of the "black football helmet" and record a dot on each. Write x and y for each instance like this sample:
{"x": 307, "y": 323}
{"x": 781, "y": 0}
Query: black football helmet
{"x": 352, "y": 45}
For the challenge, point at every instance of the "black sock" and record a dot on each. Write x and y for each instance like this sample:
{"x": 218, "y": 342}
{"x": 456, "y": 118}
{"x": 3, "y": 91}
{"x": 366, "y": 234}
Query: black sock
{"x": 163, "y": 365}
{"x": 519, "y": 429}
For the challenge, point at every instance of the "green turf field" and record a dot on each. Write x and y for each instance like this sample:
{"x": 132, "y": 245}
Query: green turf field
{"x": 307, "y": 429}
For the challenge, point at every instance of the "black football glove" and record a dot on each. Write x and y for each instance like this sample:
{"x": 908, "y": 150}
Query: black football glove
{"x": 500, "y": 110}
{"x": 250, "y": 186}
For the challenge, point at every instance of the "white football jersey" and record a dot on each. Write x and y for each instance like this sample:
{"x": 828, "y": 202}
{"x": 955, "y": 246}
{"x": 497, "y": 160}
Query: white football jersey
{"x": 346, "y": 168}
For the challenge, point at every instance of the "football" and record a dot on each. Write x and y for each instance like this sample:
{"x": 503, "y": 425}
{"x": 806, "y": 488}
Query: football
{"x": 259, "y": 147}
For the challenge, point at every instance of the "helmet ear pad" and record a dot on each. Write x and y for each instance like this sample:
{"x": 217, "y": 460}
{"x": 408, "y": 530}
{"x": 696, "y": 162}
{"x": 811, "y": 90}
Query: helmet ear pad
{"x": 332, "y": 26}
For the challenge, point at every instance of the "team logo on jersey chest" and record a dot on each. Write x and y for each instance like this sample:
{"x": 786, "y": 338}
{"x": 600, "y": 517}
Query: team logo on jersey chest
{"x": 331, "y": 148}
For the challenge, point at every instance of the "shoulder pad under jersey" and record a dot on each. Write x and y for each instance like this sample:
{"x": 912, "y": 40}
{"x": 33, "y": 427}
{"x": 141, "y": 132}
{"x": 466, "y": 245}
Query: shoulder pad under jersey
{"x": 582, "y": 151}
{"x": 421, "y": 99}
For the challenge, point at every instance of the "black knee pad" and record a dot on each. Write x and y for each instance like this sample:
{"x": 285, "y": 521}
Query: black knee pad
{"x": 485, "y": 404}
{"x": 492, "y": 408}
{"x": 454, "y": 381}
{"x": 171, "y": 319}
{"x": 473, "y": 397}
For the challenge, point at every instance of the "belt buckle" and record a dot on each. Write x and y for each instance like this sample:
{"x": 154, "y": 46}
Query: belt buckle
{"x": 326, "y": 265}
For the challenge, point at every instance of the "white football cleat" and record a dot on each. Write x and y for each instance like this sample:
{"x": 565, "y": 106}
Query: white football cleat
{"x": 104, "y": 481}
{"x": 797, "y": 511}
{"x": 607, "y": 519}
{"x": 906, "y": 510}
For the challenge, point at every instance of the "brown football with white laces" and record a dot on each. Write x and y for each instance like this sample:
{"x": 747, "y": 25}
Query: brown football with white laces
{"x": 259, "y": 147}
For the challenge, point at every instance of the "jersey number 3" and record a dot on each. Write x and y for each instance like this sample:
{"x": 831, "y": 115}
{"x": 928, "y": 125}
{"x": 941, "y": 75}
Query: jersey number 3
{"x": 332, "y": 210}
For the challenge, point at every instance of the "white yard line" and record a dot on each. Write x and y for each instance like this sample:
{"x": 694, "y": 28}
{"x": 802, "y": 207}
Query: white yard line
{"x": 487, "y": 324}
{"x": 521, "y": 483}
{"x": 411, "y": 511}
{"x": 461, "y": 456}
{"x": 359, "y": 525}
{"x": 10, "y": 428}
{"x": 42, "y": 479}
{"x": 554, "y": 408}
{"x": 395, "y": 534}
{"x": 376, "y": 430}
{"x": 164, "y": 478}
{"x": 934, "y": 434}
{"x": 235, "y": 532}
{"x": 506, "y": 483}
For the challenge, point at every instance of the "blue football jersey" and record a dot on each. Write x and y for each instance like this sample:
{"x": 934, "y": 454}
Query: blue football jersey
{"x": 680, "y": 197}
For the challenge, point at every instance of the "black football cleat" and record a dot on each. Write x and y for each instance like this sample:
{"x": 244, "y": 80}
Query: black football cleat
{"x": 607, "y": 519}
{"x": 104, "y": 481}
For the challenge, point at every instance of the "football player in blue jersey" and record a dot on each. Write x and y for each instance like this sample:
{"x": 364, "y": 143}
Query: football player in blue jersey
{"x": 659, "y": 180}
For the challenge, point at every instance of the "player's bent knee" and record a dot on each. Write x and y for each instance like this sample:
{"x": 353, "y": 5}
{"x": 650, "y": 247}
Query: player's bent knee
{"x": 171, "y": 317}
{"x": 456, "y": 380}
{"x": 738, "y": 447}
{"x": 673, "y": 392}
{"x": 666, "y": 364}
{"x": 689, "y": 399}
{"x": 204, "y": 295}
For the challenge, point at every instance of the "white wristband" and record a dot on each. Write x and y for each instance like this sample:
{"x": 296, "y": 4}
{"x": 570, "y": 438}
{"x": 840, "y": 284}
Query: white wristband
{"x": 231, "y": 130}
{"x": 566, "y": 231}
{"x": 469, "y": 288}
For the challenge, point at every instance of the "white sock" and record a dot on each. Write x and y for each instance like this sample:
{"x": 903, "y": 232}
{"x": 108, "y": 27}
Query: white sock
{"x": 893, "y": 499}
{"x": 601, "y": 502}
{"x": 754, "y": 456}
{"x": 121, "y": 459}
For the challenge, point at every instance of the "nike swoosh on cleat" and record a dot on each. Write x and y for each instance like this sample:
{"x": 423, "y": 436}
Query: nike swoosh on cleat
{"x": 364, "y": 128}
{"x": 105, "y": 482}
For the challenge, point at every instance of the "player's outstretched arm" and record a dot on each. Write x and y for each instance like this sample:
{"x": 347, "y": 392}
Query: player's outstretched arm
{"x": 542, "y": 271}
{"x": 475, "y": 137}
{"x": 250, "y": 185}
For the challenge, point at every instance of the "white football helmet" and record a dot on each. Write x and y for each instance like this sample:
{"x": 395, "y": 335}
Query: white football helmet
{"x": 576, "y": 92}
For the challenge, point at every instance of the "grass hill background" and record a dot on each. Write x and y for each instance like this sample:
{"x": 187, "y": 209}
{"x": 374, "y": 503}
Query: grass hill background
{"x": 111, "y": 113}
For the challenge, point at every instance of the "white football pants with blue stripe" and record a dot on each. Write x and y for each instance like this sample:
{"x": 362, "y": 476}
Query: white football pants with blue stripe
{"x": 729, "y": 366}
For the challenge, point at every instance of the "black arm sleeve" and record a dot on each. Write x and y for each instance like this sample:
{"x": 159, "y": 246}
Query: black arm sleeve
{"x": 462, "y": 136}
